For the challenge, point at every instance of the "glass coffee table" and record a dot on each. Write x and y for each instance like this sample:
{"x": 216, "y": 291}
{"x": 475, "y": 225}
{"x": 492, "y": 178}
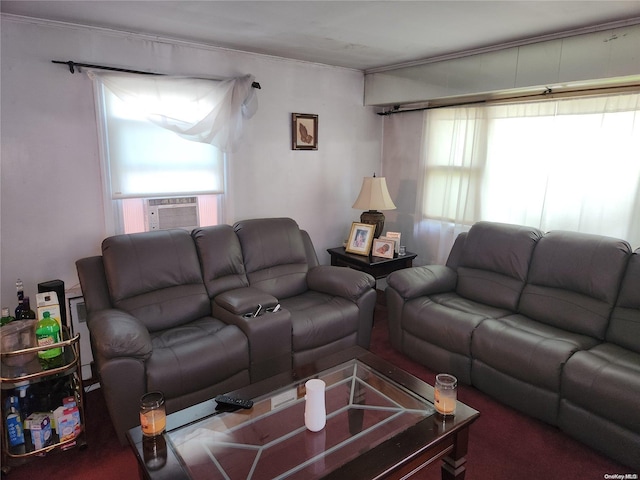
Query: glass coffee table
{"x": 380, "y": 424}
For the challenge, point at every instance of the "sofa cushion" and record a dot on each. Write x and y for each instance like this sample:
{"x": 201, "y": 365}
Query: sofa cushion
{"x": 574, "y": 280}
{"x": 494, "y": 263}
{"x": 605, "y": 380}
{"x": 221, "y": 259}
{"x": 527, "y": 350}
{"x": 624, "y": 326}
{"x": 455, "y": 301}
{"x": 274, "y": 255}
{"x": 161, "y": 294}
{"x": 445, "y": 327}
{"x": 195, "y": 356}
{"x": 318, "y": 319}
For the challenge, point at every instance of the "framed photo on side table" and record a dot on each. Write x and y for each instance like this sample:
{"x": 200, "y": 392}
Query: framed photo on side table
{"x": 304, "y": 131}
{"x": 383, "y": 248}
{"x": 360, "y": 238}
{"x": 395, "y": 236}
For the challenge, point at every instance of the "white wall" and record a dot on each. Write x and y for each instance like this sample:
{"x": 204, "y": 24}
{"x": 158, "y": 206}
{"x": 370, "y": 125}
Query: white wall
{"x": 50, "y": 194}
{"x": 401, "y": 166}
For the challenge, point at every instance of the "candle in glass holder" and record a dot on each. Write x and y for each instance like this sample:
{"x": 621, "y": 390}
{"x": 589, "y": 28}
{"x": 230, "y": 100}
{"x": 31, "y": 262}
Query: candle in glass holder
{"x": 153, "y": 417}
{"x": 445, "y": 394}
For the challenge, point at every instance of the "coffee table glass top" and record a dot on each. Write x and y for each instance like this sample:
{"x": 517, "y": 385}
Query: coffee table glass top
{"x": 270, "y": 441}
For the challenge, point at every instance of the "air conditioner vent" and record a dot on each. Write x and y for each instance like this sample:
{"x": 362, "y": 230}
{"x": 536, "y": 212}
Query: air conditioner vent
{"x": 175, "y": 212}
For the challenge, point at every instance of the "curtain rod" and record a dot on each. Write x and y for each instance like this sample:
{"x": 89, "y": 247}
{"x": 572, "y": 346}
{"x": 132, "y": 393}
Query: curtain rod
{"x": 72, "y": 69}
{"x": 546, "y": 93}
{"x": 397, "y": 108}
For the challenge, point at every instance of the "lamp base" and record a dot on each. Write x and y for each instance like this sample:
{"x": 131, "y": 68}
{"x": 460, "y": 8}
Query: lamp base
{"x": 373, "y": 217}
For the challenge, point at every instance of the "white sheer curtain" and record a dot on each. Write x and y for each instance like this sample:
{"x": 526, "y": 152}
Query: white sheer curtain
{"x": 453, "y": 162}
{"x": 200, "y": 110}
{"x": 571, "y": 164}
{"x": 166, "y": 135}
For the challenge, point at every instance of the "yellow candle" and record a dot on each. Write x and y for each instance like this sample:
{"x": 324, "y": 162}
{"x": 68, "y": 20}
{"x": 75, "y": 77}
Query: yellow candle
{"x": 153, "y": 422}
{"x": 444, "y": 404}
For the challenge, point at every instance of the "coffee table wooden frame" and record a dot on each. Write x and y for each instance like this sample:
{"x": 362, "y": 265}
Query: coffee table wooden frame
{"x": 429, "y": 440}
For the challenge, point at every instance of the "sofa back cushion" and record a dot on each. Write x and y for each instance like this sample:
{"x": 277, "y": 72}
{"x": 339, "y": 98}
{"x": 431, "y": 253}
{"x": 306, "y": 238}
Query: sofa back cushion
{"x": 312, "y": 257}
{"x": 220, "y": 258}
{"x": 274, "y": 255}
{"x": 155, "y": 276}
{"x": 574, "y": 280}
{"x": 624, "y": 326}
{"x": 453, "y": 260}
{"x": 494, "y": 263}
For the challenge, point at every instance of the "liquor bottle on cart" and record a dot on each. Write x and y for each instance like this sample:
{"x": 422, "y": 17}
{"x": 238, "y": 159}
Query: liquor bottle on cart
{"x": 6, "y": 316}
{"x": 20, "y": 295}
{"x": 25, "y": 312}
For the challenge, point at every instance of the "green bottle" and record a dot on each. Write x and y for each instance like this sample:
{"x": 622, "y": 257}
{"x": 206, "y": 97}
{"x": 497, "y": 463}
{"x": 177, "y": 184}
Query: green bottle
{"x": 48, "y": 333}
{"x": 6, "y": 317}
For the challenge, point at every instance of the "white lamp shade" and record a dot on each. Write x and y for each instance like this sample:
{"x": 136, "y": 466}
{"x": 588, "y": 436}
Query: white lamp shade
{"x": 374, "y": 195}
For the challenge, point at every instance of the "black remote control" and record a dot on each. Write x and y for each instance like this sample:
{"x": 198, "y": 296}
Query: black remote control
{"x": 227, "y": 401}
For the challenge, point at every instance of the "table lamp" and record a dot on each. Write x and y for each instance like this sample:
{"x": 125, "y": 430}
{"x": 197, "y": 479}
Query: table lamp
{"x": 374, "y": 196}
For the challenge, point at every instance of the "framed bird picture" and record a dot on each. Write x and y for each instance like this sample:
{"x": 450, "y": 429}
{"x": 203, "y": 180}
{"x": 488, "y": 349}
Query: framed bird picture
{"x": 304, "y": 131}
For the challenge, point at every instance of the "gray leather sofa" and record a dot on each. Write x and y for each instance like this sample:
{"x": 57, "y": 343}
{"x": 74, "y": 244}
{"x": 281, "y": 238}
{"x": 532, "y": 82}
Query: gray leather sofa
{"x": 170, "y": 311}
{"x": 548, "y": 323}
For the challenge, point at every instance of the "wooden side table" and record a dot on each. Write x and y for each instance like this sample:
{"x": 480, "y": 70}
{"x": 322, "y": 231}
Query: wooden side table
{"x": 378, "y": 267}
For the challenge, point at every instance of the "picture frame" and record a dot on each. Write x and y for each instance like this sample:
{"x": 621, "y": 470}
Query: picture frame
{"x": 360, "y": 238}
{"x": 383, "y": 248}
{"x": 396, "y": 236}
{"x": 304, "y": 131}
{"x": 389, "y": 239}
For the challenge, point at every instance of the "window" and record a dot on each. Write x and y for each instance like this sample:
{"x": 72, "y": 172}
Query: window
{"x": 145, "y": 161}
{"x": 570, "y": 164}
{"x": 166, "y": 138}
{"x": 455, "y": 145}
{"x": 148, "y": 160}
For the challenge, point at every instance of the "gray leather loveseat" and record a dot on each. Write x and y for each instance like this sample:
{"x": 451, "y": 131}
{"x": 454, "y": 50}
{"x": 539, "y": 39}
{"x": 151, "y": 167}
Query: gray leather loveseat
{"x": 546, "y": 323}
{"x": 171, "y": 311}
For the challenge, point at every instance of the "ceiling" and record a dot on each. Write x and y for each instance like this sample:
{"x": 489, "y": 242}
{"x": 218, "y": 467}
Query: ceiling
{"x": 364, "y": 35}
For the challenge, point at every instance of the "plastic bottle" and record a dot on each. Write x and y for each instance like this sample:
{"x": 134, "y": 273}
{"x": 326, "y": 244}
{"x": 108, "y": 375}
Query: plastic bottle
{"x": 48, "y": 333}
{"x": 15, "y": 430}
{"x": 6, "y": 316}
{"x": 24, "y": 402}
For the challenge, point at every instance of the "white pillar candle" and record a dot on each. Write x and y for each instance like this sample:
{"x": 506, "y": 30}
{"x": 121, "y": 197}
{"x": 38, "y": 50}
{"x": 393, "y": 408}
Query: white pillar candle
{"x": 315, "y": 414}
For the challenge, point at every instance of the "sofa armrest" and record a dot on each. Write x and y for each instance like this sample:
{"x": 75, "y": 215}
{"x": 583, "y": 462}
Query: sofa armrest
{"x": 426, "y": 280}
{"x": 116, "y": 333}
{"x": 340, "y": 281}
{"x": 269, "y": 334}
{"x": 244, "y": 300}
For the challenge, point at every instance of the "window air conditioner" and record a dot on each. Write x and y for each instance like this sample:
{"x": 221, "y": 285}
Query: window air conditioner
{"x": 176, "y": 212}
